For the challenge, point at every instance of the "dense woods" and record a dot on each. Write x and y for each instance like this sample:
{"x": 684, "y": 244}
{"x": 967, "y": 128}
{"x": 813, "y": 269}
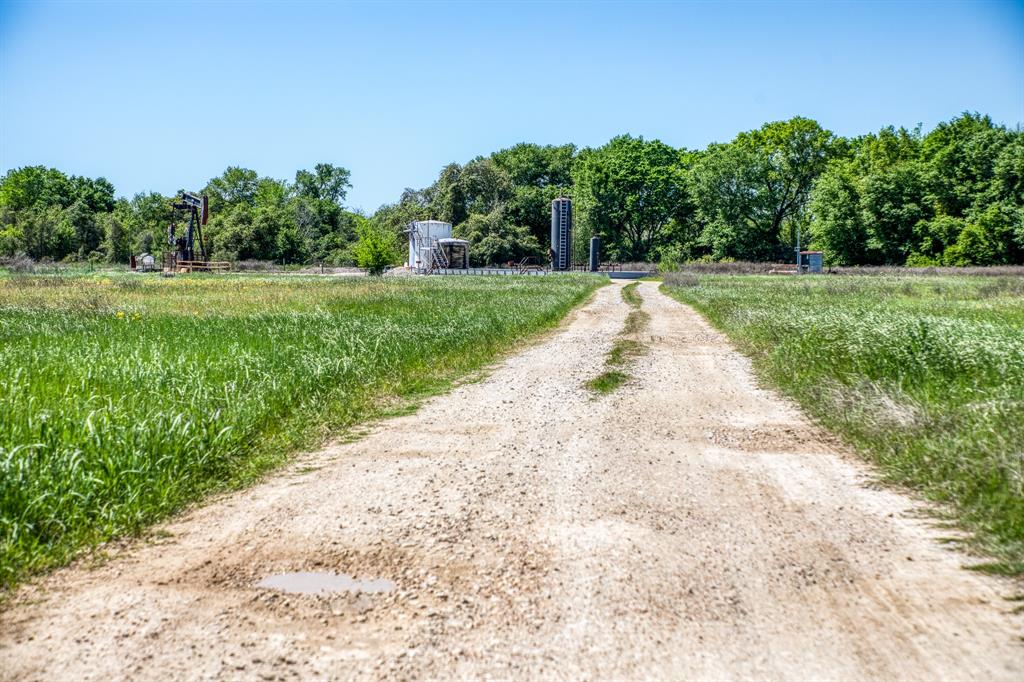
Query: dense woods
{"x": 46, "y": 214}
{"x": 953, "y": 196}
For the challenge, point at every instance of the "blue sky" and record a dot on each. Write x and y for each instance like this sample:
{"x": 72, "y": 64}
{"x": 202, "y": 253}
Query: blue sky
{"x": 165, "y": 96}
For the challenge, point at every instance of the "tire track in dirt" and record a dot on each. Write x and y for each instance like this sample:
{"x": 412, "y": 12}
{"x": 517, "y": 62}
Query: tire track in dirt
{"x": 689, "y": 525}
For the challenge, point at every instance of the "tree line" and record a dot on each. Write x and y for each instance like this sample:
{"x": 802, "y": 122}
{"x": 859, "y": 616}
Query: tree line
{"x": 952, "y": 196}
{"x": 48, "y": 215}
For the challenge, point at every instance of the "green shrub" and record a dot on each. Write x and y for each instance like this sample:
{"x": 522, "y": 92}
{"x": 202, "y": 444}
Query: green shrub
{"x": 376, "y": 249}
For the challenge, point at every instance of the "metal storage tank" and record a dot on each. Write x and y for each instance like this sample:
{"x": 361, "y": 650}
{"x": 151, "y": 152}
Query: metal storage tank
{"x": 561, "y": 233}
{"x": 423, "y": 234}
{"x": 454, "y": 253}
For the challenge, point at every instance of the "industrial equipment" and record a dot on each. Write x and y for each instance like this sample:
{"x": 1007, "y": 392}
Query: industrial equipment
{"x": 198, "y": 208}
{"x": 189, "y": 254}
{"x": 432, "y": 248}
{"x": 810, "y": 261}
{"x": 561, "y": 234}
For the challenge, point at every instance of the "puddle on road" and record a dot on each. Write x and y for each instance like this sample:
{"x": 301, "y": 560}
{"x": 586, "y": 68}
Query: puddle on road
{"x": 316, "y": 583}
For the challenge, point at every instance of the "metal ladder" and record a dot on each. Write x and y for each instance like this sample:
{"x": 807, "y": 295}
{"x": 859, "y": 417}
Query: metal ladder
{"x": 563, "y": 237}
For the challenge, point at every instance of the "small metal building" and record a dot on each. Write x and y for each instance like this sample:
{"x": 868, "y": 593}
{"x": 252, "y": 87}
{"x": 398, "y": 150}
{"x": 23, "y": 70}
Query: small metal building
{"x": 561, "y": 234}
{"x": 811, "y": 261}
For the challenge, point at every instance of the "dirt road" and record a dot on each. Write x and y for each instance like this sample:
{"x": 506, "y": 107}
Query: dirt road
{"x": 688, "y": 526}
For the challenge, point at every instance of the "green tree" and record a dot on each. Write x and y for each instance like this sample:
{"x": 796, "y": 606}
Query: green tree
{"x": 629, "y": 191}
{"x": 291, "y": 247}
{"x": 325, "y": 183}
{"x": 12, "y": 235}
{"x": 235, "y": 186}
{"x": 837, "y": 227}
{"x": 1008, "y": 172}
{"x": 538, "y": 174}
{"x": 537, "y": 166}
{"x": 936, "y": 235}
{"x": 446, "y": 199}
{"x": 988, "y": 239}
{"x": 375, "y": 249}
{"x": 145, "y": 218}
{"x": 495, "y": 239}
{"x": 117, "y": 241}
{"x": 884, "y": 149}
{"x": 961, "y": 155}
{"x": 893, "y": 203}
{"x": 97, "y": 194}
{"x": 86, "y": 232}
{"x": 46, "y": 233}
{"x": 35, "y": 187}
{"x": 232, "y": 235}
{"x": 272, "y": 194}
{"x": 747, "y": 189}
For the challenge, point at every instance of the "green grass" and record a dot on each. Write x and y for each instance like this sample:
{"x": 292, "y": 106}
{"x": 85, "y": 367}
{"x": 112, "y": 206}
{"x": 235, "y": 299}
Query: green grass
{"x": 625, "y": 349}
{"x": 608, "y": 381}
{"x": 127, "y": 397}
{"x": 924, "y": 375}
{"x": 630, "y": 296}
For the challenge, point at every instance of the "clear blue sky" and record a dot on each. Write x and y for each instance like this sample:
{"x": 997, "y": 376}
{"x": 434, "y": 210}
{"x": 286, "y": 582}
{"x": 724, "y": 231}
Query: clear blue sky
{"x": 165, "y": 96}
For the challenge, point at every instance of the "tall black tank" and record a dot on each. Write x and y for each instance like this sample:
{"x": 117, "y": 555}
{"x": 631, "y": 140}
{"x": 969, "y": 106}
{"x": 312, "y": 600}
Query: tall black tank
{"x": 561, "y": 234}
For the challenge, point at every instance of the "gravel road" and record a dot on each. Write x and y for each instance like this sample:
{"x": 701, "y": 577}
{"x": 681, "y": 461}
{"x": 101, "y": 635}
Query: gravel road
{"x": 690, "y": 525}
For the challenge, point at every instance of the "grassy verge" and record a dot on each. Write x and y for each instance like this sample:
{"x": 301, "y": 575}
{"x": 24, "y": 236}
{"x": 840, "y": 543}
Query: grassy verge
{"x": 625, "y": 348}
{"x": 127, "y": 397}
{"x": 630, "y": 295}
{"x": 923, "y": 375}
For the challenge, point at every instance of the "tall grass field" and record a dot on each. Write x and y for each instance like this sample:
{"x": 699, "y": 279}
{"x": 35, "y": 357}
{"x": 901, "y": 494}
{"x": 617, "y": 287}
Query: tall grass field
{"x": 125, "y": 397}
{"x": 924, "y": 375}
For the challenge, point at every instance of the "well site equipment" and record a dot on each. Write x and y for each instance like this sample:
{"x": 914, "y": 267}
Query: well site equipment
{"x": 198, "y": 208}
{"x": 810, "y": 261}
{"x": 561, "y": 234}
{"x": 186, "y": 257}
{"x": 432, "y": 247}
{"x": 454, "y": 252}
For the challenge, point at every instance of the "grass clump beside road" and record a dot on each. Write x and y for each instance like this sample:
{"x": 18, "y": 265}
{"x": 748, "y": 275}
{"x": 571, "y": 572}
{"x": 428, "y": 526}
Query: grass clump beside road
{"x": 925, "y": 375}
{"x": 126, "y": 397}
{"x": 625, "y": 349}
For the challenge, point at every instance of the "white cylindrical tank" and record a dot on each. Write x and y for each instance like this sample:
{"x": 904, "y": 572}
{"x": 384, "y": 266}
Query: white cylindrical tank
{"x": 422, "y": 235}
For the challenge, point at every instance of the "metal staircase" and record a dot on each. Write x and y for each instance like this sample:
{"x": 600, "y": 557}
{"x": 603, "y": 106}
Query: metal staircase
{"x": 427, "y": 254}
{"x": 438, "y": 258}
{"x": 429, "y": 258}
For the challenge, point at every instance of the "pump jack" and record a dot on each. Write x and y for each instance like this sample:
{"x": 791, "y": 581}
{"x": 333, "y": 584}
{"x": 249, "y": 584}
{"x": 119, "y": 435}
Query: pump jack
{"x": 199, "y": 211}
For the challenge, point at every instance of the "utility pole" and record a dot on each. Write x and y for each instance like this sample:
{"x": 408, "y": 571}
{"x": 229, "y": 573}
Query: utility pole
{"x": 798, "y": 269}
